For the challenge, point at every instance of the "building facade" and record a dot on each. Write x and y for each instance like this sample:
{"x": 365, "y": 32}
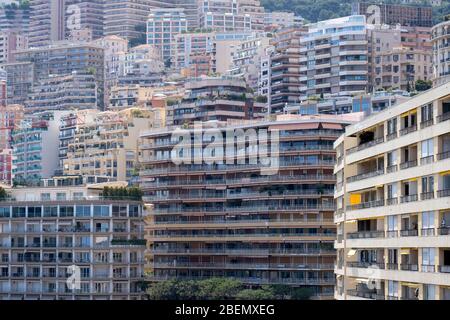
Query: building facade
{"x": 441, "y": 53}
{"x": 393, "y": 207}
{"x": 47, "y": 231}
{"x": 231, "y": 220}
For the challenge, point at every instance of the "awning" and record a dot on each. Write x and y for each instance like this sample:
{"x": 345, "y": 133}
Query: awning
{"x": 335, "y": 126}
{"x": 295, "y": 126}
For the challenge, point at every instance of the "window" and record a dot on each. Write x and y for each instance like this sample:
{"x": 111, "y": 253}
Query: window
{"x": 427, "y": 184}
{"x": 392, "y": 223}
{"x": 392, "y": 288}
{"x": 429, "y": 292}
{"x": 101, "y": 211}
{"x": 50, "y": 211}
{"x": 392, "y": 191}
{"x": 5, "y": 212}
{"x": 45, "y": 196}
{"x": 66, "y": 211}
{"x": 119, "y": 211}
{"x": 61, "y": 196}
{"x": 83, "y": 211}
{"x": 78, "y": 195}
{"x": 427, "y": 148}
{"x": 18, "y": 212}
{"x": 392, "y": 158}
{"x": 392, "y": 126}
{"x": 427, "y": 112}
{"x": 34, "y": 212}
{"x": 133, "y": 210}
{"x": 428, "y": 255}
{"x": 428, "y": 220}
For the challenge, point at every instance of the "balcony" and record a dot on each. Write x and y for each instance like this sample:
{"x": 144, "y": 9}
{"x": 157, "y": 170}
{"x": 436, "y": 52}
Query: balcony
{"x": 428, "y": 268}
{"x": 366, "y": 295}
{"x": 426, "y": 160}
{"x": 408, "y": 130}
{"x": 444, "y": 231}
{"x": 364, "y": 205}
{"x": 426, "y": 195}
{"x": 410, "y": 198}
{"x": 365, "y": 234}
{"x": 443, "y": 117}
{"x": 444, "y": 193}
{"x": 365, "y": 145}
{"x": 391, "y": 136}
{"x": 409, "y": 233}
{"x": 408, "y": 164}
{"x": 391, "y": 201}
{"x": 365, "y": 264}
{"x": 444, "y": 269}
{"x": 392, "y": 168}
{"x": 426, "y": 123}
{"x": 367, "y": 175}
{"x": 409, "y": 267}
{"x": 392, "y": 266}
{"x": 427, "y": 232}
{"x": 443, "y": 155}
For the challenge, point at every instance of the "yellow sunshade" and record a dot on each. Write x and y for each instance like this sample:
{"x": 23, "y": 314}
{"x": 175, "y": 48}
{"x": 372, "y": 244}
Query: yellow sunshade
{"x": 444, "y": 173}
{"x": 351, "y": 252}
{"x": 355, "y": 198}
{"x": 405, "y": 251}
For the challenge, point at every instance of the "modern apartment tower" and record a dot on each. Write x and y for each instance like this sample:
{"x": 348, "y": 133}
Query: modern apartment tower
{"x": 393, "y": 202}
{"x": 232, "y": 219}
{"x": 65, "y": 222}
{"x": 47, "y": 22}
{"x": 336, "y": 58}
{"x": 441, "y": 52}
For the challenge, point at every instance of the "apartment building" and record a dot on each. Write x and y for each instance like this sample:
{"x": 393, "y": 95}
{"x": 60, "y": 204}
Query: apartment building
{"x": 393, "y": 205}
{"x": 47, "y": 22}
{"x": 35, "y": 144}
{"x": 10, "y": 118}
{"x": 11, "y": 41}
{"x": 212, "y": 219}
{"x": 108, "y": 145}
{"x": 286, "y": 63}
{"x": 210, "y": 98}
{"x": 392, "y": 14}
{"x": 162, "y": 27}
{"x": 144, "y": 59}
{"x": 17, "y": 19}
{"x": 84, "y": 17}
{"x": 399, "y": 56}
{"x": 67, "y": 127}
{"x": 231, "y": 15}
{"x": 66, "y": 225}
{"x": 67, "y": 92}
{"x": 278, "y": 19}
{"x": 246, "y": 60}
{"x": 188, "y": 44}
{"x": 127, "y": 18}
{"x": 38, "y": 64}
{"x": 441, "y": 53}
{"x": 336, "y": 58}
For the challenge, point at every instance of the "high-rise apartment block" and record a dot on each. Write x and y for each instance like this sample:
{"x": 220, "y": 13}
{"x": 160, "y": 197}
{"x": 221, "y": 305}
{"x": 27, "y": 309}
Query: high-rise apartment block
{"x": 230, "y": 219}
{"x": 11, "y": 41}
{"x": 441, "y": 52}
{"x": 162, "y": 27}
{"x": 35, "y": 144}
{"x": 66, "y": 223}
{"x": 47, "y": 22}
{"x": 393, "y": 208}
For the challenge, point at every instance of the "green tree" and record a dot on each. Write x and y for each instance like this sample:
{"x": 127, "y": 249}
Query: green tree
{"x": 3, "y": 194}
{"x": 264, "y": 293}
{"x": 219, "y": 288}
{"x": 423, "y": 85}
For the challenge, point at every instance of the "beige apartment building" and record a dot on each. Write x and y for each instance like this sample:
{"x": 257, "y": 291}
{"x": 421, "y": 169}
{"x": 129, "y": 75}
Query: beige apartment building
{"x": 441, "y": 52}
{"x": 393, "y": 202}
{"x": 108, "y": 145}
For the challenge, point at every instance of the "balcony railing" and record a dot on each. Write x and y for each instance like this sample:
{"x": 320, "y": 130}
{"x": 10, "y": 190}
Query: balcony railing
{"x": 426, "y": 195}
{"x": 392, "y": 168}
{"x": 444, "y": 269}
{"x": 444, "y": 193}
{"x": 365, "y": 145}
{"x": 409, "y": 267}
{"x": 366, "y": 295}
{"x": 408, "y": 130}
{"x": 392, "y": 233}
{"x": 364, "y": 205}
{"x": 365, "y": 234}
{"x": 392, "y": 266}
{"x": 410, "y": 198}
{"x": 427, "y": 232}
{"x": 367, "y": 175}
{"x": 408, "y": 164}
{"x": 409, "y": 233}
{"x": 391, "y": 136}
{"x": 426, "y": 160}
{"x": 443, "y": 117}
{"x": 426, "y": 123}
{"x": 364, "y": 264}
{"x": 444, "y": 231}
{"x": 391, "y": 201}
{"x": 428, "y": 268}
{"x": 443, "y": 155}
